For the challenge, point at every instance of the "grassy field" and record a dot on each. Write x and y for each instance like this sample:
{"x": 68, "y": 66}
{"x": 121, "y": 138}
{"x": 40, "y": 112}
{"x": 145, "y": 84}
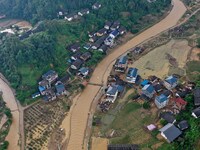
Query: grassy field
{"x": 129, "y": 124}
{"x": 132, "y": 129}
{"x": 193, "y": 69}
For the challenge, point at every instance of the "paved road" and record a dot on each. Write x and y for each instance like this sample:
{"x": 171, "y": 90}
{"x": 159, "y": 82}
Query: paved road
{"x": 81, "y": 110}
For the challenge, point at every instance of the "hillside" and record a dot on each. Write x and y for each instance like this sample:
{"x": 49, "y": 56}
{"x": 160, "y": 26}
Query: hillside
{"x": 37, "y": 10}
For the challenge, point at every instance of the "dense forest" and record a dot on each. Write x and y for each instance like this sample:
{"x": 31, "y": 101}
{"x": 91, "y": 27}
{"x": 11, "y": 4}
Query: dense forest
{"x": 24, "y": 61}
{"x": 37, "y": 10}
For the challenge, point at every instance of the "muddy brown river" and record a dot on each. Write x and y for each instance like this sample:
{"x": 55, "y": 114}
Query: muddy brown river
{"x": 9, "y": 98}
{"x": 79, "y": 115}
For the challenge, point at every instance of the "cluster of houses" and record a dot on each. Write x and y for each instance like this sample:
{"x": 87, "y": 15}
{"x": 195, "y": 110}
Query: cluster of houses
{"x": 98, "y": 41}
{"x": 168, "y": 96}
{"x": 83, "y": 12}
{"x": 104, "y": 38}
{"x": 50, "y": 87}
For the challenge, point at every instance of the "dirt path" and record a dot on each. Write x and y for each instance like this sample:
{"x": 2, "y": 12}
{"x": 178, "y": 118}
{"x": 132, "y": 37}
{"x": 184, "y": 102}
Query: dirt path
{"x": 82, "y": 108}
{"x": 9, "y": 98}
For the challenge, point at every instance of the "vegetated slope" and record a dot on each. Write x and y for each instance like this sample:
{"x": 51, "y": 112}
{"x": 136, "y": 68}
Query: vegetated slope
{"x": 42, "y": 9}
{"x": 39, "y": 9}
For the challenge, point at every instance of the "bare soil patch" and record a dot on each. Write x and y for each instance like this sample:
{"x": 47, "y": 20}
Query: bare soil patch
{"x": 158, "y": 61}
{"x": 99, "y": 143}
{"x": 24, "y": 24}
{"x": 7, "y": 22}
{"x": 194, "y": 54}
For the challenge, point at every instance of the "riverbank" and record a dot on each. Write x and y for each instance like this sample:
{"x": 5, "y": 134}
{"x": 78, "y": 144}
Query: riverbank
{"x": 81, "y": 110}
{"x": 9, "y": 98}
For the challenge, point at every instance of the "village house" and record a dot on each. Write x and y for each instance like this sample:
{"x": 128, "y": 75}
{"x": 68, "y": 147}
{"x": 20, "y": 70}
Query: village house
{"x": 168, "y": 116}
{"x": 109, "y": 41}
{"x": 167, "y": 93}
{"x": 114, "y": 34}
{"x": 93, "y": 39}
{"x": 132, "y": 75}
{"x": 43, "y": 86}
{"x": 85, "y": 56}
{"x": 35, "y": 95}
{"x": 144, "y": 82}
{"x": 50, "y": 95}
{"x": 170, "y": 82}
{"x": 161, "y": 101}
{"x": 101, "y": 32}
{"x": 87, "y": 46}
{"x": 179, "y": 103}
{"x": 103, "y": 48}
{"x": 76, "y": 55}
{"x": 183, "y": 93}
{"x": 122, "y": 30}
{"x": 71, "y": 17}
{"x": 197, "y": 97}
{"x": 50, "y": 76}
{"x": 83, "y": 12}
{"x": 183, "y": 125}
{"x": 107, "y": 25}
{"x": 111, "y": 94}
{"x": 148, "y": 90}
{"x": 158, "y": 87}
{"x": 60, "y": 89}
{"x": 96, "y": 6}
{"x": 196, "y": 112}
{"x": 170, "y": 132}
{"x": 74, "y": 47}
{"x": 99, "y": 42}
{"x": 115, "y": 26}
{"x": 76, "y": 64}
{"x": 91, "y": 34}
{"x": 60, "y": 13}
{"x": 153, "y": 79}
{"x": 121, "y": 64}
{"x": 65, "y": 79}
{"x": 83, "y": 72}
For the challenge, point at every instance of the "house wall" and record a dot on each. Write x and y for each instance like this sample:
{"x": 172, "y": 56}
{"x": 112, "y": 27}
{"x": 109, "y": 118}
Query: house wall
{"x": 114, "y": 97}
{"x": 169, "y": 86}
{"x": 131, "y": 80}
{"x": 161, "y": 105}
{"x": 150, "y": 95}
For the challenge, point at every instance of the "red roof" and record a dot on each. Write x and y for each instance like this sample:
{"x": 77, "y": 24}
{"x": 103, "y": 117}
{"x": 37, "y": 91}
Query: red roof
{"x": 180, "y": 101}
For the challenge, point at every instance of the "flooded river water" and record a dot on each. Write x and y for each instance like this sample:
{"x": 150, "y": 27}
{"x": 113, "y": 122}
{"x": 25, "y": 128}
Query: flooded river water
{"x": 79, "y": 115}
{"x": 9, "y": 98}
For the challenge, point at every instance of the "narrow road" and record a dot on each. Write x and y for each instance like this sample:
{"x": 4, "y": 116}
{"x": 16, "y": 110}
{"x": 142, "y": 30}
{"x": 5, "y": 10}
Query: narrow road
{"x": 81, "y": 110}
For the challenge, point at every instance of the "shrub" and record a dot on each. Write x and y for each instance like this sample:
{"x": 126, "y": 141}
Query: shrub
{"x": 146, "y": 105}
